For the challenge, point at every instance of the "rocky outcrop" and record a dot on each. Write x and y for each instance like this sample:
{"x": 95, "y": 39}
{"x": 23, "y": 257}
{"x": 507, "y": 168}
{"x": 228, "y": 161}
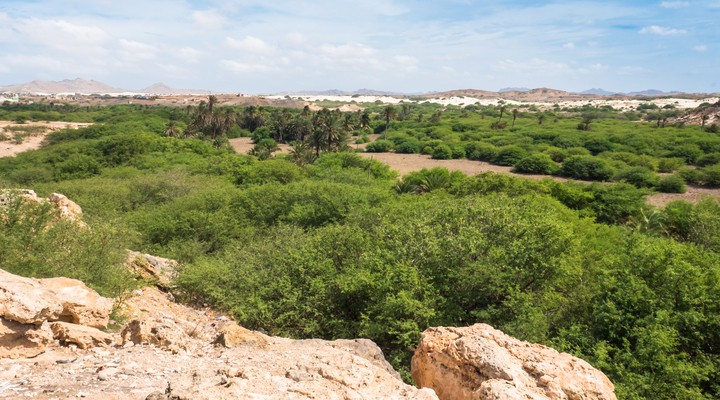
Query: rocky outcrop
{"x": 27, "y": 305}
{"x": 479, "y": 362}
{"x": 65, "y": 209}
{"x": 158, "y": 269}
{"x": 84, "y": 337}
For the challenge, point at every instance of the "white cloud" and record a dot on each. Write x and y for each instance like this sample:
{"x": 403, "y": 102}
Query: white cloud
{"x": 295, "y": 38}
{"x": 675, "y": 4}
{"x": 209, "y": 19}
{"x": 246, "y": 67}
{"x": 662, "y": 31}
{"x": 135, "y": 51}
{"x": 60, "y": 33}
{"x": 700, "y": 48}
{"x": 406, "y": 63}
{"x": 352, "y": 50}
{"x": 250, "y": 44}
{"x": 189, "y": 54}
{"x": 569, "y": 45}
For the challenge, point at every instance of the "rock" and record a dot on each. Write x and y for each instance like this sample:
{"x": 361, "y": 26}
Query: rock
{"x": 146, "y": 266}
{"x": 84, "y": 337}
{"x": 479, "y": 362}
{"x": 160, "y": 332}
{"x": 81, "y": 305}
{"x": 231, "y": 334}
{"x": 67, "y": 209}
{"x": 21, "y": 340}
{"x": 26, "y": 301}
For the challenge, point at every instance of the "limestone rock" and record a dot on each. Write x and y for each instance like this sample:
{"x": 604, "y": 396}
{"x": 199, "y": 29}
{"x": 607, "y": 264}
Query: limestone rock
{"x": 230, "y": 334}
{"x": 84, "y": 337}
{"x": 66, "y": 208}
{"x": 146, "y": 266}
{"x": 21, "y": 340}
{"x": 159, "y": 332}
{"x": 479, "y": 362}
{"x": 26, "y": 301}
{"x": 80, "y": 304}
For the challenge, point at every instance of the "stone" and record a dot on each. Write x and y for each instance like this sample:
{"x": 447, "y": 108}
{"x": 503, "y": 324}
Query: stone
{"x": 66, "y": 208}
{"x": 84, "y": 337}
{"x": 230, "y": 334}
{"x": 146, "y": 266}
{"x": 160, "y": 332}
{"x": 26, "y": 301}
{"x": 480, "y": 362}
{"x": 81, "y": 305}
{"x": 21, "y": 340}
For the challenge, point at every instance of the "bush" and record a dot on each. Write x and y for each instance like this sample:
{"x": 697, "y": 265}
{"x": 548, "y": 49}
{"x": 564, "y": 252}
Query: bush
{"x": 458, "y": 151}
{"x": 670, "y": 164}
{"x": 509, "y": 155}
{"x": 637, "y": 176}
{"x": 537, "y": 163}
{"x": 586, "y": 168}
{"x": 408, "y": 147}
{"x": 380, "y": 146}
{"x": 671, "y": 184}
{"x": 711, "y": 176}
{"x": 442, "y": 152}
{"x": 480, "y": 151}
{"x": 708, "y": 159}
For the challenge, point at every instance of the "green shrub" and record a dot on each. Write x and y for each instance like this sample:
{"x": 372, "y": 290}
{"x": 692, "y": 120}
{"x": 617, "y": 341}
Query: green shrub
{"x": 708, "y": 159}
{"x": 380, "y": 146}
{"x": 408, "y": 147}
{"x": 586, "y": 168}
{"x": 537, "y": 163}
{"x": 458, "y": 151}
{"x": 480, "y": 151}
{"x": 442, "y": 152}
{"x": 671, "y": 184}
{"x": 637, "y": 176}
{"x": 668, "y": 165}
{"x": 711, "y": 176}
{"x": 509, "y": 155}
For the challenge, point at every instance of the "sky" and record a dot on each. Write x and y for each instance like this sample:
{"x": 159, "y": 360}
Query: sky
{"x": 410, "y": 46}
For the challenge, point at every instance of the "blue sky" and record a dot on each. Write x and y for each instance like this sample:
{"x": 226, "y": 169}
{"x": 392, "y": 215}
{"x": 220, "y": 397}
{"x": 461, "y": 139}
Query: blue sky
{"x": 254, "y": 46}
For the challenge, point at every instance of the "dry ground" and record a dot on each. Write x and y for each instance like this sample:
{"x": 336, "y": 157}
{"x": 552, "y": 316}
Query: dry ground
{"x": 9, "y": 148}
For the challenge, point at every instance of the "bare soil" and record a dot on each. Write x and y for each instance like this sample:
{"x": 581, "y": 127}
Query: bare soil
{"x": 9, "y": 148}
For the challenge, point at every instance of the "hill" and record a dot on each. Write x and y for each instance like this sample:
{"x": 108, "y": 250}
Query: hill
{"x": 81, "y": 86}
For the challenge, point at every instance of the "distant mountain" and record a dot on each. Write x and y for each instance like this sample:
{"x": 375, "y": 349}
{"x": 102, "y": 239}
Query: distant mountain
{"x": 77, "y": 85}
{"x": 514, "y": 89}
{"x": 650, "y": 92}
{"x": 163, "y": 89}
{"x": 597, "y": 91}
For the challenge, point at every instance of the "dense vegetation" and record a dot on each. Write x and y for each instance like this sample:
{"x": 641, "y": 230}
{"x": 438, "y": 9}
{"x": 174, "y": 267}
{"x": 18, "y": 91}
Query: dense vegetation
{"x": 328, "y": 244}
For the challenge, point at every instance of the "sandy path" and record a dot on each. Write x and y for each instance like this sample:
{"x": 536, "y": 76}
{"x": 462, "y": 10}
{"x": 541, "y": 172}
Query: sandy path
{"x": 8, "y": 148}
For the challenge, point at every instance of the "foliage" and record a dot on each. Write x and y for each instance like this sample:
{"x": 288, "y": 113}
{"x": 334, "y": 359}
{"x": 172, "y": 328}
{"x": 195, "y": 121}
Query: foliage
{"x": 586, "y": 168}
{"x": 537, "y": 163}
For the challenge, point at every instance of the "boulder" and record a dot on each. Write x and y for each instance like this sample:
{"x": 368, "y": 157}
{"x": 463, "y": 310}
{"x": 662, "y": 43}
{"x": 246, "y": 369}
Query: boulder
{"x": 80, "y": 304}
{"x": 84, "y": 337}
{"x": 160, "y": 332}
{"x": 66, "y": 208}
{"x": 21, "y": 340}
{"x": 146, "y": 266}
{"x": 26, "y": 301}
{"x": 480, "y": 362}
{"x": 230, "y": 334}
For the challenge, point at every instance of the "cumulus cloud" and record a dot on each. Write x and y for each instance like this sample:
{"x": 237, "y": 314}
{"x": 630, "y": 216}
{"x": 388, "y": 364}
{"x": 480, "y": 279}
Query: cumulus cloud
{"x": 675, "y": 4}
{"x": 701, "y": 48}
{"x": 295, "y": 38}
{"x": 208, "y": 19}
{"x": 250, "y": 44}
{"x": 60, "y": 33}
{"x": 662, "y": 31}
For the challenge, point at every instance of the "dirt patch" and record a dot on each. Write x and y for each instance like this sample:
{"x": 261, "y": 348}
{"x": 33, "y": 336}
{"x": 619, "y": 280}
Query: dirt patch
{"x": 693, "y": 195}
{"x": 243, "y": 145}
{"x": 36, "y": 134}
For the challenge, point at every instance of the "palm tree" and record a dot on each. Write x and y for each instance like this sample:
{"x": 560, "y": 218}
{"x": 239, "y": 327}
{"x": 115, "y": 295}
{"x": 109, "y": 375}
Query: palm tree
{"x": 515, "y": 113}
{"x": 502, "y": 111}
{"x": 365, "y": 120}
{"x": 171, "y": 129}
{"x": 703, "y": 120}
{"x": 541, "y": 118}
{"x": 389, "y": 112}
